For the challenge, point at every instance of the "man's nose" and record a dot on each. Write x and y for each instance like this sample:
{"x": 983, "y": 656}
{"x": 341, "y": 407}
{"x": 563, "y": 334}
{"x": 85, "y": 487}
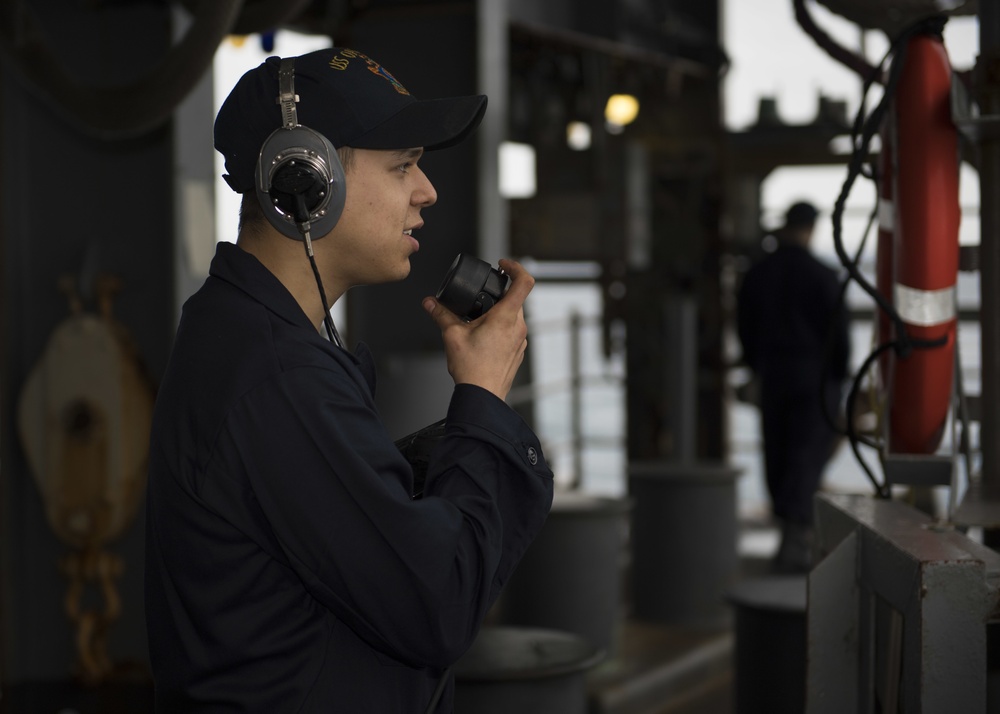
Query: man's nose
{"x": 424, "y": 194}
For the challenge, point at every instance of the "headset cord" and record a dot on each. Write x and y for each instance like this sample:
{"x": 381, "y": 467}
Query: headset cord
{"x": 438, "y": 691}
{"x": 302, "y": 221}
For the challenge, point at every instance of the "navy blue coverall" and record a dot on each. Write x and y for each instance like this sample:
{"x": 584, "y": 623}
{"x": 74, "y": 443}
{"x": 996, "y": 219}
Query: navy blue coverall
{"x": 288, "y": 566}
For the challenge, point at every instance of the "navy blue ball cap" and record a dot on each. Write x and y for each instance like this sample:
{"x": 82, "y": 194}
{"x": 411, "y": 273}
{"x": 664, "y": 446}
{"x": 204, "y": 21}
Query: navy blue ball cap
{"x": 349, "y": 98}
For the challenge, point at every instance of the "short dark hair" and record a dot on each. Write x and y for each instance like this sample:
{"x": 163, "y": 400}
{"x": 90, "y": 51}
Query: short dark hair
{"x": 801, "y": 215}
{"x": 252, "y": 216}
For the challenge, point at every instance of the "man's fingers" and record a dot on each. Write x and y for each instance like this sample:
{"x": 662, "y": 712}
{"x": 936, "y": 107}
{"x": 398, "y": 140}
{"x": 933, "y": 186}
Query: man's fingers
{"x": 521, "y": 282}
{"x": 440, "y": 314}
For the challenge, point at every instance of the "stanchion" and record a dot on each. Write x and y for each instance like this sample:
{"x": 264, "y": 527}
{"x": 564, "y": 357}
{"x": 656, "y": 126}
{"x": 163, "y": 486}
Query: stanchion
{"x": 683, "y": 541}
{"x": 524, "y": 671}
{"x": 570, "y": 579}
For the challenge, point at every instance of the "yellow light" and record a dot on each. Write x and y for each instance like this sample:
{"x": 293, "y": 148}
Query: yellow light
{"x": 621, "y": 109}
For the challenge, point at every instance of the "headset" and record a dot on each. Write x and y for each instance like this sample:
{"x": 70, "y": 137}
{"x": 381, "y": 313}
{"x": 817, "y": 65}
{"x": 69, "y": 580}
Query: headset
{"x": 300, "y": 186}
{"x": 300, "y": 180}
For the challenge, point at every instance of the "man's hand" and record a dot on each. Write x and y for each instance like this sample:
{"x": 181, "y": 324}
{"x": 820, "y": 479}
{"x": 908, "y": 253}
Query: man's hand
{"x": 487, "y": 351}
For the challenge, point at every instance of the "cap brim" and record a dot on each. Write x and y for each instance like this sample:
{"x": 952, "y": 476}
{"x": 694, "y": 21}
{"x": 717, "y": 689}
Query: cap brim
{"x": 431, "y": 124}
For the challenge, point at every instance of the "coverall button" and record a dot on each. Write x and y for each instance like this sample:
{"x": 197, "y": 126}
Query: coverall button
{"x": 532, "y": 455}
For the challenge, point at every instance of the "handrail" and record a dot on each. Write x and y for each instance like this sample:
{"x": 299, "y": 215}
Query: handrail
{"x": 575, "y": 385}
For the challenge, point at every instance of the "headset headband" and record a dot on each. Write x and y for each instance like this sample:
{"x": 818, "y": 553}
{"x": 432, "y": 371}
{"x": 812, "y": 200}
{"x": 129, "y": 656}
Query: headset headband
{"x": 287, "y": 97}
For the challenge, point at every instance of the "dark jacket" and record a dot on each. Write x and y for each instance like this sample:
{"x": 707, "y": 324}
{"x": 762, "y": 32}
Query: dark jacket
{"x": 792, "y": 328}
{"x": 288, "y": 567}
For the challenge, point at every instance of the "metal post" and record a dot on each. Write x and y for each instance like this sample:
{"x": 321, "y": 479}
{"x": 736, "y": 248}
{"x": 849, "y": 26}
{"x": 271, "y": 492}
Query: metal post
{"x": 988, "y": 95}
{"x": 492, "y": 26}
{"x": 682, "y": 382}
{"x": 576, "y": 397}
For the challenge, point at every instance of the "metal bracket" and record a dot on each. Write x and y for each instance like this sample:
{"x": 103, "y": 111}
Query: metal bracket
{"x": 964, "y": 114}
{"x": 898, "y": 607}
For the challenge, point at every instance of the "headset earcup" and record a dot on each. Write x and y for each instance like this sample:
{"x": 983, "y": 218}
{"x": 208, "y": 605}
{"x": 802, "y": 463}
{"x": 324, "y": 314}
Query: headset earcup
{"x": 299, "y": 167}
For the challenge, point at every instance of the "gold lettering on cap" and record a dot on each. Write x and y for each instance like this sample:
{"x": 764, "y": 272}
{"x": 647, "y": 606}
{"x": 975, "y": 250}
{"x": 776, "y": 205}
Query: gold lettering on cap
{"x": 342, "y": 60}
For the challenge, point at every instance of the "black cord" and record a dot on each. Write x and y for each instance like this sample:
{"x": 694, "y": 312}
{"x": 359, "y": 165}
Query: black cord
{"x": 832, "y": 332}
{"x": 863, "y": 130}
{"x": 331, "y": 330}
{"x": 436, "y": 697}
{"x": 881, "y": 489}
{"x": 302, "y": 221}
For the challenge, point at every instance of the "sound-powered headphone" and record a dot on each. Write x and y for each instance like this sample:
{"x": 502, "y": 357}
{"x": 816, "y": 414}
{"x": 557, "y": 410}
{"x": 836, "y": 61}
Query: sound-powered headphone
{"x": 300, "y": 181}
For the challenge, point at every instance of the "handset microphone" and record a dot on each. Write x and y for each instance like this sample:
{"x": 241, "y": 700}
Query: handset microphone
{"x": 472, "y": 286}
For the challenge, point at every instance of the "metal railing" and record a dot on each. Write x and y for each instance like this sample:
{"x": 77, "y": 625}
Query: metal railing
{"x": 573, "y": 331}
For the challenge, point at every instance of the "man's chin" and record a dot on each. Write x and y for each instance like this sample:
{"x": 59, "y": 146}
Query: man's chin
{"x": 398, "y": 275}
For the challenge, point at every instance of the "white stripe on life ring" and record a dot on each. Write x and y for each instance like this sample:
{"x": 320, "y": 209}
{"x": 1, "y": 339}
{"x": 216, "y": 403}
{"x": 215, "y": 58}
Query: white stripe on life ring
{"x": 925, "y": 308}
{"x": 886, "y": 215}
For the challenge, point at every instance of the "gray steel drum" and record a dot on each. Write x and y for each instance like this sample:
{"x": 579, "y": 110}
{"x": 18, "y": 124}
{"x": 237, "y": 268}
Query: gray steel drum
{"x": 570, "y": 579}
{"x": 770, "y": 650}
{"x": 684, "y": 554}
{"x": 511, "y": 670}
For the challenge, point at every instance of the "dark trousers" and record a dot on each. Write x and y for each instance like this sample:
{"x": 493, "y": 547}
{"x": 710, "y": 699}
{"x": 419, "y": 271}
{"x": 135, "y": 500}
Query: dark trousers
{"x": 798, "y": 443}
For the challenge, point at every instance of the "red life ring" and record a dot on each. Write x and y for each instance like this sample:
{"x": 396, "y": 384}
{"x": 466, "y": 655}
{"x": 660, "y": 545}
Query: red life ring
{"x": 917, "y": 261}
